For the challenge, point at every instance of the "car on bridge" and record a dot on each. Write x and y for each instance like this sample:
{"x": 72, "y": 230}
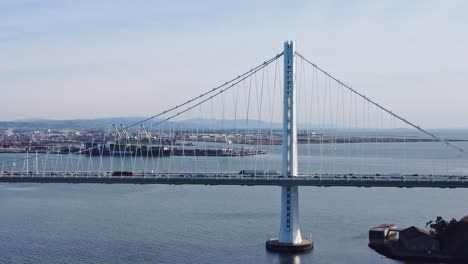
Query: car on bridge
{"x": 122, "y": 173}
{"x": 259, "y": 173}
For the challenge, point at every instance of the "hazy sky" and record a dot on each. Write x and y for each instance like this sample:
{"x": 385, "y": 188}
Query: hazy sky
{"x": 86, "y": 59}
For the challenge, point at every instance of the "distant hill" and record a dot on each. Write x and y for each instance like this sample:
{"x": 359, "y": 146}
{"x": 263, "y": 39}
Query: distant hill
{"x": 195, "y": 123}
{"x": 98, "y": 123}
{"x": 102, "y": 123}
{"x": 228, "y": 124}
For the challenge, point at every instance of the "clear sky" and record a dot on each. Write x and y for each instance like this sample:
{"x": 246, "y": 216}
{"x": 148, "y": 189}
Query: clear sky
{"x": 86, "y": 59}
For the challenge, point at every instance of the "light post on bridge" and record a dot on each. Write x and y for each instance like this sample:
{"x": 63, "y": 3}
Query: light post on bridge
{"x": 289, "y": 239}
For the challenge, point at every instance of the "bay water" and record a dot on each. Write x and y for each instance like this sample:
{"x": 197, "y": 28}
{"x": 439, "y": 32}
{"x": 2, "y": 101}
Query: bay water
{"x": 94, "y": 223}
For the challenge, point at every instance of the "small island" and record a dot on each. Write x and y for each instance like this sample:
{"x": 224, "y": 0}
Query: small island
{"x": 446, "y": 241}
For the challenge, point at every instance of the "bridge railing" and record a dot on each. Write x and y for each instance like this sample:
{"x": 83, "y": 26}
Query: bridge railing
{"x": 237, "y": 176}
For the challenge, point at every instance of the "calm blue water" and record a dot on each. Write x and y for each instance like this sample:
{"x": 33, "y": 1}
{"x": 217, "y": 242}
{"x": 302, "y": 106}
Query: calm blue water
{"x": 64, "y": 223}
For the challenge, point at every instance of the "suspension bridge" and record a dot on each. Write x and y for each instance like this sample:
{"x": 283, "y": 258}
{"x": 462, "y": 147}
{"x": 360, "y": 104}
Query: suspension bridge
{"x": 324, "y": 133}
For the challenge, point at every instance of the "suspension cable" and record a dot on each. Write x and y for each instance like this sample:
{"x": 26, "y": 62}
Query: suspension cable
{"x": 383, "y": 108}
{"x": 231, "y": 83}
{"x": 237, "y": 81}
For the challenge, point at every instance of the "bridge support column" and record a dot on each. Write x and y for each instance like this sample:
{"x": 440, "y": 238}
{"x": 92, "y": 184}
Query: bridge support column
{"x": 289, "y": 239}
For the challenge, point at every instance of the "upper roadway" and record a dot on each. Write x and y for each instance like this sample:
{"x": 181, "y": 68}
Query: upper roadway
{"x": 325, "y": 180}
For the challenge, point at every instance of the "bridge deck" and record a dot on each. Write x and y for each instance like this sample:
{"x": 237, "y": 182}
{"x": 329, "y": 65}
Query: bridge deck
{"x": 325, "y": 180}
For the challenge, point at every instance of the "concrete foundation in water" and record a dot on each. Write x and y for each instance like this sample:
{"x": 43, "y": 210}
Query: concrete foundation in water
{"x": 276, "y": 246}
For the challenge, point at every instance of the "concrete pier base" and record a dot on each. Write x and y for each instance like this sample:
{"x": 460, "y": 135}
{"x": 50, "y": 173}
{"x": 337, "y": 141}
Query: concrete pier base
{"x": 304, "y": 246}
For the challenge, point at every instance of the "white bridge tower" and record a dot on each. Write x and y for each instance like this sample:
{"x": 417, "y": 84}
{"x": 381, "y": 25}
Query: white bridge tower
{"x": 289, "y": 239}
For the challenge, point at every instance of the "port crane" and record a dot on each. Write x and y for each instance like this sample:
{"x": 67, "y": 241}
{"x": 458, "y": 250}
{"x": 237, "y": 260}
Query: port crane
{"x": 128, "y": 140}
{"x": 117, "y": 131}
{"x": 227, "y": 141}
{"x": 144, "y": 131}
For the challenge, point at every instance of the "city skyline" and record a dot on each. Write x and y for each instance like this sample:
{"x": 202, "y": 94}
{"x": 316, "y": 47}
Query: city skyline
{"x": 65, "y": 60}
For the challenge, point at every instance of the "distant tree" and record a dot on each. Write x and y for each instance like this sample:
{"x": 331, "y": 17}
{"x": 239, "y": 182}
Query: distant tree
{"x": 441, "y": 226}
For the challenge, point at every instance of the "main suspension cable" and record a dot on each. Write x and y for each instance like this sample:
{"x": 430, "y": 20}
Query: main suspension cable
{"x": 228, "y": 85}
{"x": 233, "y": 82}
{"x": 383, "y": 108}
